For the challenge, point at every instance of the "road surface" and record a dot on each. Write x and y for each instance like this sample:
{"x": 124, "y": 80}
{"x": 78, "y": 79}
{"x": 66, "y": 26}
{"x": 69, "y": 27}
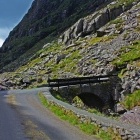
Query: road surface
{"x": 22, "y": 117}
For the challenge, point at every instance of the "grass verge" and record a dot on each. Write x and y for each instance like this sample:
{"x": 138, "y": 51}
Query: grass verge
{"x": 128, "y": 56}
{"x": 86, "y": 126}
{"x": 132, "y": 100}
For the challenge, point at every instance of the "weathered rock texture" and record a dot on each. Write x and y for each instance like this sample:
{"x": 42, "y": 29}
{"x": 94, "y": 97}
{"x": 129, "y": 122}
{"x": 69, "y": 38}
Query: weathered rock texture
{"x": 44, "y": 21}
{"x": 102, "y": 96}
{"x": 125, "y": 131}
{"x": 92, "y": 23}
{"x": 132, "y": 116}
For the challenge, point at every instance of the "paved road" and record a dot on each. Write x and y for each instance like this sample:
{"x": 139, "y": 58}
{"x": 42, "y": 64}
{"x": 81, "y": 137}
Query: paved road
{"x": 10, "y": 126}
{"x": 22, "y": 117}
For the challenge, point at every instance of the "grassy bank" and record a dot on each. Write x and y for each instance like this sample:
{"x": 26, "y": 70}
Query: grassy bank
{"x": 132, "y": 100}
{"x": 87, "y": 127}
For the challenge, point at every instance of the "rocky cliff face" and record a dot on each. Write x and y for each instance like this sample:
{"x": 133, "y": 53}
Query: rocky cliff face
{"x": 45, "y": 19}
{"x": 92, "y": 24}
{"x": 105, "y": 42}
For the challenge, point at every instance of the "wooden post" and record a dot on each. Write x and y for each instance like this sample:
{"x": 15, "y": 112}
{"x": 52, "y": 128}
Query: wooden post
{"x": 68, "y": 89}
{"x": 48, "y": 81}
{"x": 58, "y": 85}
{"x": 89, "y": 83}
{"x": 80, "y": 86}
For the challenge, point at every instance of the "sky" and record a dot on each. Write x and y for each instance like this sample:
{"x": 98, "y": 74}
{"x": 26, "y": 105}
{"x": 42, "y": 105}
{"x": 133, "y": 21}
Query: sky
{"x": 11, "y": 12}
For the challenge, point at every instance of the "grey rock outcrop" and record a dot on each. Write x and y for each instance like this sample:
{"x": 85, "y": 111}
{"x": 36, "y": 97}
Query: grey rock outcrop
{"x": 59, "y": 58}
{"x": 132, "y": 116}
{"x": 130, "y": 82}
{"x": 45, "y": 20}
{"x": 92, "y": 24}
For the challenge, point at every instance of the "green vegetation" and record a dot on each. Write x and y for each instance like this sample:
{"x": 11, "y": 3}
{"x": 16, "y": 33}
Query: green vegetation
{"x": 122, "y": 73}
{"x": 116, "y": 21}
{"x": 74, "y": 99}
{"x": 78, "y": 102}
{"x": 128, "y": 54}
{"x": 122, "y": 2}
{"x": 95, "y": 111}
{"x": 87, "y": 127}
{"x": 95, "y": 40}
{"x": 57, "y": 95}
{"x": 29, "y": 36}
{"x": 132, "y": 100}
{"x": 126, "y": 2}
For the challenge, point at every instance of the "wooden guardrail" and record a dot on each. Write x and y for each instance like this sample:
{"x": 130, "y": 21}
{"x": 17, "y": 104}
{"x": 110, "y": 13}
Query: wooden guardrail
{"x": 78, "y": 80}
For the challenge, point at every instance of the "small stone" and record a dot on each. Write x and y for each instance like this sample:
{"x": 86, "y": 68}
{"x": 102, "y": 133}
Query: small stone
{"x": 126, "y": 85}
{"x": 120, "y": 109}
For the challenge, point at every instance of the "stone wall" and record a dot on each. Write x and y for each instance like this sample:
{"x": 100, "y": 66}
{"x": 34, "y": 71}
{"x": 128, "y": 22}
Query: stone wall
{"x": 126, "y": 132}
{"x": 92, "y": 94}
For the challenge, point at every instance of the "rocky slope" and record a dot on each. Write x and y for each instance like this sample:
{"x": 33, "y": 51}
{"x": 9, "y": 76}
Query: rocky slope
{"x": 44, "y": 21}
{"x": 112, "y": 46}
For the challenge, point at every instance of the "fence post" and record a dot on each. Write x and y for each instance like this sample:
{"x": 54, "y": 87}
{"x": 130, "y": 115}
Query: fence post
{"x": 80, "y": 86}
{"x": 89, "y": 84}
{"x": 58, "y": 85}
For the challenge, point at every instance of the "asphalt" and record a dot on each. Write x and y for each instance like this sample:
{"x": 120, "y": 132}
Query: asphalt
{"x": 10, "y": 126}
{"x": 28, "y": 119}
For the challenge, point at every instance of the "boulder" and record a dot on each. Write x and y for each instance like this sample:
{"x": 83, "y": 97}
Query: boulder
{"x": 26, "y": 80}
{"x": 133, "y": 87}
{"x": 46, "y": 45}
{"x": 31, "y": 72}
{"x": 78, "y": 102}
{"x": 129, "y": 67}
{"x": 78, "y": 27}
{"x": 10, "y": 83}
{"x": 139, "y": 81}
{"x": 120, "y": 109}
{"x": 39, "y": 80}
{"x": 91, "y": 24}
{"x": 126, "y": 85}
{"x": 59, "y": 58}
{"x": 132, "y": 116}
{"x": 43, "y": 55}
{"x": 133, "y": 74}
{"x": 3, "y": 87}
{"x": 101, "y": 32}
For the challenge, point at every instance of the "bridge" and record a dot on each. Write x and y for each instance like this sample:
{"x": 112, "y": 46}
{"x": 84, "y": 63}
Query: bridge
{"x": 95, "y": 91}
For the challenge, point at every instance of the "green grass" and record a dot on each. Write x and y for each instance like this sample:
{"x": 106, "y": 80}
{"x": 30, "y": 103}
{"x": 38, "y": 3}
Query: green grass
{"x": 122, "y": 2}
{"x": 28, "y": 45}
{"x": 95, "y": 40}
{"x": 132, "y": 100}
{"x": 69, "y": 116}
{"x": 127, "y": 57}
{"x": 95, "y": 111}
{"x": 103, "y": 136}
{"x": 57, "y": 95}
{"x": 126, "y": 2}
{"x": 116, "y": 21}
{"x": 67, "y": 65}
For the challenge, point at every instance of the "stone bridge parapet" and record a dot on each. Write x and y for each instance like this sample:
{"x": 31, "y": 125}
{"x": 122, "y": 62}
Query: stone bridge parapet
{"x": 99, "y": 95}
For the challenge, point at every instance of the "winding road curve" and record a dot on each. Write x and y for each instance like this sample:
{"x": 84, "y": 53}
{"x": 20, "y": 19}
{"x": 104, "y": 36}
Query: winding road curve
{"x": 22, "y": 117}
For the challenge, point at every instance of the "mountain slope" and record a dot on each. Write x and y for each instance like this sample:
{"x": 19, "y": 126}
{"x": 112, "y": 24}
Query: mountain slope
{"x": 90, "y": 55}
{"x": 44, "y": 21}
{"x": 114, "y": 48}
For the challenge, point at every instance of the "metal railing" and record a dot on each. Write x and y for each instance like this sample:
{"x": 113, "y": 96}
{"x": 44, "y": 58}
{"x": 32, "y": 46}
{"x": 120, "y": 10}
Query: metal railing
{"x": 78, "y": 80}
